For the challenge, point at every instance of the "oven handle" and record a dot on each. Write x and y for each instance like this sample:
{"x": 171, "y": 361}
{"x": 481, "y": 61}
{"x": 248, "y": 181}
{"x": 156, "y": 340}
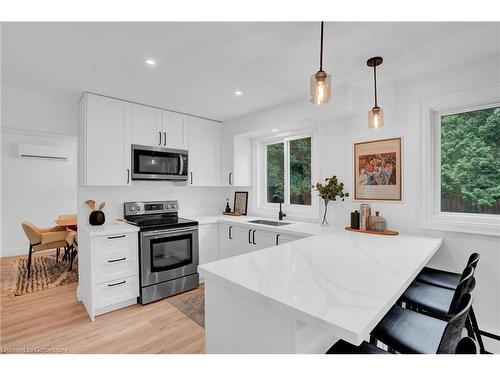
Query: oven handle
{"x": 169, "y": 231}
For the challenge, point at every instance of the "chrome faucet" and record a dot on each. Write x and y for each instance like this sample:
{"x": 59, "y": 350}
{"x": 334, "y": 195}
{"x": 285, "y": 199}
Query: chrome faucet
{"x": 281, "y": 214}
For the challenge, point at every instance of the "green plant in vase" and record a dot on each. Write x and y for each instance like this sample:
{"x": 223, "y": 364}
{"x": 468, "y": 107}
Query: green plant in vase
{"x": 330, "y": 191}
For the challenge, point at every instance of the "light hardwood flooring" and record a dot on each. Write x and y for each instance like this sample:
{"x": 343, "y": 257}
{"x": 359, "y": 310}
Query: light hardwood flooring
{"x": 54, "y": 321}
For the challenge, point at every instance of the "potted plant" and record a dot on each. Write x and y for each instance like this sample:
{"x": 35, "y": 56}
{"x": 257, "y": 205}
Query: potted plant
{"x": 330, "y": 191}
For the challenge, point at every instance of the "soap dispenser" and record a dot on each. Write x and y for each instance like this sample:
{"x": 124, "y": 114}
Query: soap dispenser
{"x": 228, "y": 209}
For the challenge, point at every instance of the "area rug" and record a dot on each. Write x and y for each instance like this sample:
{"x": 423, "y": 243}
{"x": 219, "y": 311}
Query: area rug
{"x": 191, "y": 304}
{"x": 45, "y": 274}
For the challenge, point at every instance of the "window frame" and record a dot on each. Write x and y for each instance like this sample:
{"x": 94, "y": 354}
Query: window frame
{"x": 430, "y": 214}
{"x": 261, "y": 206}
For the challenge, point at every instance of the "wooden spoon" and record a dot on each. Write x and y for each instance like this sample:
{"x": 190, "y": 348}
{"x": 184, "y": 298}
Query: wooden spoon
{"x": 91, "y": 204}
{"x": 101, "y": 206}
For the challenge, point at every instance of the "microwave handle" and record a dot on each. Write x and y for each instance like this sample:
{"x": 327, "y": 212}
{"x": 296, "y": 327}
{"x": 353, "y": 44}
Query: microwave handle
{"x": 181, "y": 164}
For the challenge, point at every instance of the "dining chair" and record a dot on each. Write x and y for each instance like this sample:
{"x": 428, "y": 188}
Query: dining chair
{"x": 407, "y": 331}
{"x": 43, "y": 239}
{"x": 72, "y": 246}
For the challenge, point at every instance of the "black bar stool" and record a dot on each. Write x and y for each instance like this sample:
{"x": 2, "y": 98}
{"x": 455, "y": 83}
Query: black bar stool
{"x": 408, "y": 331}
{"x": 444, "y": 279}
{"x": 439, "y": 302}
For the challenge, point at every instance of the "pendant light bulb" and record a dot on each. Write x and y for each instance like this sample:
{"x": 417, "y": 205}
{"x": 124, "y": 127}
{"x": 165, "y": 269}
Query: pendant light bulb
{"x": 320, "y": 90}
{"x": 376, "y": 114}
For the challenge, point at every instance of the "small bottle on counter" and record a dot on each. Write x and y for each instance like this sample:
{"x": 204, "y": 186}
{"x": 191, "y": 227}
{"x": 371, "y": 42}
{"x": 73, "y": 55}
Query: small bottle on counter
{"x": 228, "y": 209}
{"x": 364, "y": 216}
{"x": 355, "y": 219}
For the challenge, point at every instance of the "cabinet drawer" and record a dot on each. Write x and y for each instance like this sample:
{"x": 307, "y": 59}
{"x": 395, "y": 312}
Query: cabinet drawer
{"x": 114, "y": 264}
{"x": 111, "y": 292}
{"x": 114, "y": 242}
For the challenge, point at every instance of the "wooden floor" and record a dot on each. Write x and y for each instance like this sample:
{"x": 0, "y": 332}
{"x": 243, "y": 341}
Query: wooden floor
{"x": 54, "y": 321}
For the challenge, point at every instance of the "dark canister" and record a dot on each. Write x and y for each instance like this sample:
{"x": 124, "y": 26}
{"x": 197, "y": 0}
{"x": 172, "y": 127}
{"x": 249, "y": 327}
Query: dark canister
{"x": 355, "y": 219}
{"x": 97, "y": 218}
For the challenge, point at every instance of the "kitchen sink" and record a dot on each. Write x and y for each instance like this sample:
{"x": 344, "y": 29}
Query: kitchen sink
{"x": 269, "y": 222}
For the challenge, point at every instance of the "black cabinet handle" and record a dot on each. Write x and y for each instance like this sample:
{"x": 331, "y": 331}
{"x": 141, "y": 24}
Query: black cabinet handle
{"x": 253, "y": 237}
{"x": 249, "y": 234}
{"x": 277, "y": 239}
{"x": 128, "y": 176}
{"x": 115, "y": 284}
{"x": 116, "y": 260}
{"x": 164, "y": 138}
{"x": 191, "y": 174}
{"x": 115, "y": 237}
{"x": 230, "y": 180}
{"x": 230, "y": 232}
{"x": 159, "y": 141}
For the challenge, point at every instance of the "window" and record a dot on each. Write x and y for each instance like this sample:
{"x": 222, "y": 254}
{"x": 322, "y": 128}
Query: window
{"x": 288, "y": 171}
{"x": 460, "y": 162}
{"x": 470, "y": 161}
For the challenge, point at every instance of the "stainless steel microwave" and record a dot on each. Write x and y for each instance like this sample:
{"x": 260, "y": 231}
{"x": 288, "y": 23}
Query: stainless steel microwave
{"x": 159, "y": 163}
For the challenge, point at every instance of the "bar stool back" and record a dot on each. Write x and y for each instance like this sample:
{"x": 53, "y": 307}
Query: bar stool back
{"x": 453, "y": 331}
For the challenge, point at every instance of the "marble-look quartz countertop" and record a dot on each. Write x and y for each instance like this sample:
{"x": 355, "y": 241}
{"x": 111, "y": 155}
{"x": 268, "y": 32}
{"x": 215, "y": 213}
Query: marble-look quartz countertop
{"x": 340, "y": 281}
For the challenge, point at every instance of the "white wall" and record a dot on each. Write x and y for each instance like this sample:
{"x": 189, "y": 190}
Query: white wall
{"x": 401, "y": 103}
{"x": 35, "y": 190}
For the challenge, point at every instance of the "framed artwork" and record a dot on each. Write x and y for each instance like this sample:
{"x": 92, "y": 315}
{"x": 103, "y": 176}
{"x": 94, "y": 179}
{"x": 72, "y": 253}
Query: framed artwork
{"x": 377, "y": 170}
{"x": 241, "y": 202}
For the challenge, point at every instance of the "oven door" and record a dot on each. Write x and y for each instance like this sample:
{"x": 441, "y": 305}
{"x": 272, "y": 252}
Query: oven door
{"x": 168, "y": 254}
{"x": 157, "y": 163}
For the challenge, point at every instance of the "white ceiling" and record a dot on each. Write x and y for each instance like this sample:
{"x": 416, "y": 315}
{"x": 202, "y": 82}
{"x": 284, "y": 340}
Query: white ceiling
{"x": 200, "y": 65}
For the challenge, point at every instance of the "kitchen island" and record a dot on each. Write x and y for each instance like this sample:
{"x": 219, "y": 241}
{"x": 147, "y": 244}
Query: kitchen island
{"x": 302, "y": 296}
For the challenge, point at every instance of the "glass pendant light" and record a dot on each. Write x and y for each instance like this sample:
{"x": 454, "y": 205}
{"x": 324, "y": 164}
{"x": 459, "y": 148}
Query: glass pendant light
{"x": 320, "y": 82}
{"x": 376, "y": 114}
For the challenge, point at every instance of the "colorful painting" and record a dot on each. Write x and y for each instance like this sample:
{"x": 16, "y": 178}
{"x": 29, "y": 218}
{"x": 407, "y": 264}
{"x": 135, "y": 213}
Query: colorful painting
{"x": 377, "y": 170}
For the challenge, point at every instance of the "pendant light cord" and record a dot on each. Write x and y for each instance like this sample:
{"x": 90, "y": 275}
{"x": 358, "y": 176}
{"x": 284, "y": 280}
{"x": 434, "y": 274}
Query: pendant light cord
{"x": 321, "y": 49}
{"x": 375, "y": 82}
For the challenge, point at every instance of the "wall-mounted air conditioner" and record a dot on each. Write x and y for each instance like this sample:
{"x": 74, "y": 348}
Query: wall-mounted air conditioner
{"x": 25, "y": 150}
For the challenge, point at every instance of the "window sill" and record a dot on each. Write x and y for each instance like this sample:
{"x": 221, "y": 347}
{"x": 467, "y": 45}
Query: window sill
{"x": 488, "y": 225}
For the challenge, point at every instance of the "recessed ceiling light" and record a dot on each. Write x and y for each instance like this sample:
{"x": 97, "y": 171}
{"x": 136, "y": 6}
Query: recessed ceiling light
{"x": 238, "y": 93}
{"x": 150, "y": 62}
{"x": 274, "y": 130}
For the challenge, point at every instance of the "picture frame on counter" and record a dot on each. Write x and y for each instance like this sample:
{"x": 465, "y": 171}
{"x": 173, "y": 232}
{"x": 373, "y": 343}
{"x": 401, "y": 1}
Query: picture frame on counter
{"x": 378, "y": 170}
{"x": 241, "y": 202}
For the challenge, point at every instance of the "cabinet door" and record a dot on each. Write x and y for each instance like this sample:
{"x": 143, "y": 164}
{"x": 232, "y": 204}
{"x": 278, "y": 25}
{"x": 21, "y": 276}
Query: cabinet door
{"x": 226, "y": 241}
{"x": 236, "y": 161}
{"x": 174, "y": 127}
{"x": 208, "y": 239}
{"x": 107, "y": 143}
{"x": 146, "y": 126}
{"x": 204, "y": 162}
{"x": 264, "y": 239}
{"x": 284, "y": 238}
{"x": 227, "y": 176}
{"x": 242, "y": 239}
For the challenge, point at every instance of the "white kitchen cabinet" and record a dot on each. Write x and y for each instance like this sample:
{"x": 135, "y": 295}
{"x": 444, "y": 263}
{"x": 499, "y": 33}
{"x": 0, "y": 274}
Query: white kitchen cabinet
{"x": 108, "y": 267}
{"x": 146, "y": 126}
{"x": 236, "y": 161}
{"x": 105, "y": 141}
{"x": 284, "y": 238}
{"x": 227, "y": 242}
{"x": 208, "y": 239}
{"x": 174, "y": 130}
{"x": 204, "y": 165}
{"x": 242, "y": 236}
{"x": 263, "y": 239}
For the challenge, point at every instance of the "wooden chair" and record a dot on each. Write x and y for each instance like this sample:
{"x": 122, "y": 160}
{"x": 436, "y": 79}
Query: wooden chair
{"x": 43, "y": 239}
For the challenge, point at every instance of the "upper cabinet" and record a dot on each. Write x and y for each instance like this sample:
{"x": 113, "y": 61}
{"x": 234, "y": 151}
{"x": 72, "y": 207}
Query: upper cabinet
{"x": 204, "y": 164}
{"x": 156, "y": 127}
{"x": 236, "y": 161}
{"x": 146, "y": 126}
{"x": 174, "y": 130}
{"x": 105, "y": 141}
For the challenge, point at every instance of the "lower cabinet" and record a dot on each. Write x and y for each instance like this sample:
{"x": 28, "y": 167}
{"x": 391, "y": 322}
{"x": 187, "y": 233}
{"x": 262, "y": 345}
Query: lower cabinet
{"x": 108, "y": 267}
{"x": 208, "y": 240}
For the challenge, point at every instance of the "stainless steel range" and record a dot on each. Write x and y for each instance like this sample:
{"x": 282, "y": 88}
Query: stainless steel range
{"x": 168, "y": 249}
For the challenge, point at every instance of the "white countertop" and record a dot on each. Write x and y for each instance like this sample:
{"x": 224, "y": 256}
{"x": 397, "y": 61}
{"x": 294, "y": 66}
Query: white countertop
{"x": 341, "y": 281}
{"x": 108, "y": 229}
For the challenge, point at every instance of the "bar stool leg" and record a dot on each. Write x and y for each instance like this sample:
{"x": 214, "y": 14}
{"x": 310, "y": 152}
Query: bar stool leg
{"x": 475, "y": 328}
